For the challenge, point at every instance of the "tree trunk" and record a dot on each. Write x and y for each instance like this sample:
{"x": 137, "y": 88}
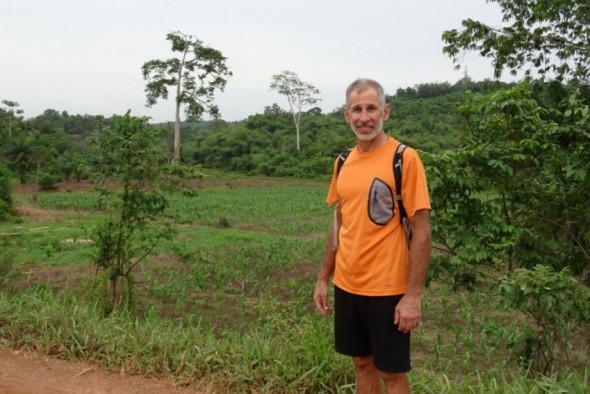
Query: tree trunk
{"x": 176, "y": 156}
{"x": 36, "y": 189}
{"x": 296, "y": 121}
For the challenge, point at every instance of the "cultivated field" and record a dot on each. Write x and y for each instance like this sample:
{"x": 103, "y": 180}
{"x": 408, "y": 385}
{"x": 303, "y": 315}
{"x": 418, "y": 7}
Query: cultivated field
{"x": 225, "y": 305}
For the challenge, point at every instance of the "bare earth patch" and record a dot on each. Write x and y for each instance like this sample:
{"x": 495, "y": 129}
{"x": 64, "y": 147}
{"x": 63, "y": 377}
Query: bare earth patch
{"x": 24, "y": 373}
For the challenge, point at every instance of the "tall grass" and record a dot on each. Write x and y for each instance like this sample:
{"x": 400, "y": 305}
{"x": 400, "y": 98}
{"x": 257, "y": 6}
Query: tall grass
{"x": 226, "y": 305}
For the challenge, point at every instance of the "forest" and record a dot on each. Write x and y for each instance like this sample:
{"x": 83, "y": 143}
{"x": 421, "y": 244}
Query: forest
{"x": 54, "y": 146}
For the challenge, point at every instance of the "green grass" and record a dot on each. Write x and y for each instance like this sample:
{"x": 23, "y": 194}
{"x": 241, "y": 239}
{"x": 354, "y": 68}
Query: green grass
{"x": 59, "y": 242}
{"x": 288, "y": 210}
{"x": 225, "y": 306}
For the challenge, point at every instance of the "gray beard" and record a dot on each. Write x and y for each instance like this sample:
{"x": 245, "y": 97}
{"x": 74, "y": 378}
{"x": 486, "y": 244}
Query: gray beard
{"x": 368, "y": 137}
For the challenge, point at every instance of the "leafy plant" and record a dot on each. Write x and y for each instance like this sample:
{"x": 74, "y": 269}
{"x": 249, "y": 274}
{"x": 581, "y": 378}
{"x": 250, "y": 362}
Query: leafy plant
{"x": 47, "y": 181}
{"x": 6, "y": 201}
{"x": 512, "y": 195}
{"x": 128, "y": 153}
{"x": 556, "y": 303}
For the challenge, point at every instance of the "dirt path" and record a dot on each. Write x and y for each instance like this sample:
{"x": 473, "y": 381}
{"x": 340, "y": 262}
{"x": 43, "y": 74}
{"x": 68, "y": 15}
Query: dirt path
{"x": 23, "y": 373}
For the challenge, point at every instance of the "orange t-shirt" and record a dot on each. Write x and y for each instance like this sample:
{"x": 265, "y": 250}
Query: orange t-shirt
{"x": 372, "y": 256}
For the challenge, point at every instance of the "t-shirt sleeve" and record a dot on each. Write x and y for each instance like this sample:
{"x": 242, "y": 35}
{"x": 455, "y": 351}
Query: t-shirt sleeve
{"x": 414, "y": 184}
{"x": 333, "y": 197}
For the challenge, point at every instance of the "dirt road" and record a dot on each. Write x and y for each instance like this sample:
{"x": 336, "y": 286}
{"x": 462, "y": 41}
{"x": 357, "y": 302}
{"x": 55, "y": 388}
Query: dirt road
{"x": 23, "y": 373}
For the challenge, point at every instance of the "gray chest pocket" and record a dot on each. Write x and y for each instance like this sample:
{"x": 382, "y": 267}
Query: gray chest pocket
{"x": 380, "y": 202}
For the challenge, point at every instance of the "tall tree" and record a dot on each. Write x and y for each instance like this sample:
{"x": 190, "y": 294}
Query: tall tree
{"x": 10, "y": 115}
{"x": 196, "y": 74}
{"x": 548, "y": 36}
{"x": 299, "y": 94}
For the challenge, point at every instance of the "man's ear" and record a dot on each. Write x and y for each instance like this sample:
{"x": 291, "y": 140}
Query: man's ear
{"x": 346, "y": 115}
{"x": 386, "y": 112}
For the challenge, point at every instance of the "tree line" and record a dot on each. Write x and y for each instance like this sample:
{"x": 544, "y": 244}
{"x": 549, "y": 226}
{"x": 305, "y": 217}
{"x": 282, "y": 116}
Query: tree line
{"x": 56, "y": 146}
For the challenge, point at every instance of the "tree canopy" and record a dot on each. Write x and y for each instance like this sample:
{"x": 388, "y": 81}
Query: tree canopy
{"x": 551, "y": 37}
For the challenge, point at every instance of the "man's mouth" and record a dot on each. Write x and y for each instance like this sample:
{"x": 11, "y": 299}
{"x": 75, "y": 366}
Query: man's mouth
{"x": 365, "y": 129}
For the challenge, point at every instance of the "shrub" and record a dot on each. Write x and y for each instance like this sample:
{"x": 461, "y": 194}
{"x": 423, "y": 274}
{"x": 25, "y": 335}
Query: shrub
{"x": 47, "y": 181}
{"x": 6, "y": 202}
{"x": 556, "y": 302}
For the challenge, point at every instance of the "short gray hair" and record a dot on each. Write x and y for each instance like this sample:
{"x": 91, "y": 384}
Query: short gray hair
{"x": 363, "y": 84}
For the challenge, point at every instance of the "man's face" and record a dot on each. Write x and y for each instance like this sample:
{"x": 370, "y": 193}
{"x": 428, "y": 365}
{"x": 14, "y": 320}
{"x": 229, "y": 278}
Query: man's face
{"x": 365, "y": 114}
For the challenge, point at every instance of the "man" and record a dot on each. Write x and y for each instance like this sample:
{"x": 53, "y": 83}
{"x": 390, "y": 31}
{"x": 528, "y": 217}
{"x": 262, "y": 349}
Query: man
{"x": 378, "y": 278}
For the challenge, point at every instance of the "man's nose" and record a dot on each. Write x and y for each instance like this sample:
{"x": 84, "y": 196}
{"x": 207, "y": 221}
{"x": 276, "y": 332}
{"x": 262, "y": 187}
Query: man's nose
{"x": 364, "y": 115}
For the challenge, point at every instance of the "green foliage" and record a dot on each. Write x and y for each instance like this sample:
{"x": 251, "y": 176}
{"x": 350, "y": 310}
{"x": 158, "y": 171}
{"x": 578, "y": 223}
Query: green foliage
{"x": 10, "y": 119}
{"x": 262, "y": 144}
{"x": 513, "y": 193}
{"x": 522, "y": 174}
{"x": 556, "y": 303}
{"x": 128, "y": 152}
{"x": 19, "y": 157}
{"x": 6, "y": 201}
{"x": 511, "y": 197}
{"x": 199, "y": 72}
{"x": 549, "y": 36}
{"x": 426, "y": 116}
{"x": 47, "y": 181}
{"x": 53, "y": 143}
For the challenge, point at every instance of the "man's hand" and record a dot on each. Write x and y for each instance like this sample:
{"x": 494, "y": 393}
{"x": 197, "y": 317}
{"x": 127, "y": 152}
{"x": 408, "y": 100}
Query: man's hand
{"x": 320, "y": 298}
{"x": 408, "y": 313}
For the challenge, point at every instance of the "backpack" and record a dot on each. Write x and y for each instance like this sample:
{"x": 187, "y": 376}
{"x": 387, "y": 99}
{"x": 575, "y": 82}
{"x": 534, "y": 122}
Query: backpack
{"x": 398, "y": 160}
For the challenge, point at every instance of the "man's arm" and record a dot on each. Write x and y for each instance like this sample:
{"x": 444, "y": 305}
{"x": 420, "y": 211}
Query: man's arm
{"x": 408, "y": 312}
{"x": 320, "y": 296}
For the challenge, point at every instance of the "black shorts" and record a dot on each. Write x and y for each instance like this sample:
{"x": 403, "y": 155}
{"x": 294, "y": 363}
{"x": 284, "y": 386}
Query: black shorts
{"x": 363, "y": 326}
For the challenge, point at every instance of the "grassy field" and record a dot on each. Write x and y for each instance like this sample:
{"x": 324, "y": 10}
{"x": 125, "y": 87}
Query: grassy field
{"x": 225, "y": 306}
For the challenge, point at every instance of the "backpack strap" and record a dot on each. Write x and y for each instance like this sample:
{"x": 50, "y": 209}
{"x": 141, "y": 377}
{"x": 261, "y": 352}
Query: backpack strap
{"x": 398, "y": 161}
{"x": 341, "y": 159}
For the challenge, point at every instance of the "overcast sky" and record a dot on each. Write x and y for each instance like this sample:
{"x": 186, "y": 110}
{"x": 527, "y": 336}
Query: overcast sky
{"x": 85, "y": 57}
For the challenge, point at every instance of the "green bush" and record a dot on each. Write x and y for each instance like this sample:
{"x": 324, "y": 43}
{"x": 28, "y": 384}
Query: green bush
{"x": 6, "y": 202}
{"x": 557, "y": 303}
{"x": 5, "y": 210}
{"x": 47, "y": 181}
